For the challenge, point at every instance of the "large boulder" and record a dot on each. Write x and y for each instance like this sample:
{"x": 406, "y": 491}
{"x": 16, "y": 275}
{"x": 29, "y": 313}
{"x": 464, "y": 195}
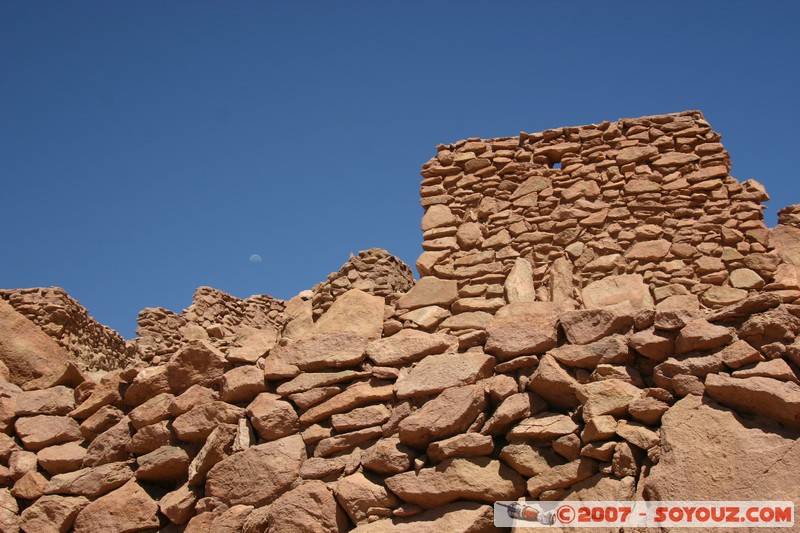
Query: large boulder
{"x": 779, "y": 400}
{"x": 709, "y": 453}
{"x": 28, "y": 352}
{"x": 259, "y": 474}
{"x": 196, "y": 363}
{"x": 354, "y": 311}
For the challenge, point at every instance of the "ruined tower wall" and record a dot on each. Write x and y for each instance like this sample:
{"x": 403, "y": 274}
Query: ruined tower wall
{"x": 651, "y": 196}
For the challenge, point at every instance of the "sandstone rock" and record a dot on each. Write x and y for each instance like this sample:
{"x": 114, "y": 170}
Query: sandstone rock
{"x": 242, "y": 384}
{"x": 521, "y": 334}
{"x": 346, "y": 441}
{"x": 588, "y": 325}
{"x": 41, "y": 431}
{"x": 322, "y": 467}
{"x": 272, "y": 417}
{"x": 452, "y": 412}
{"x": 685, "y": 384}
{"x": 252, "y": 344}
{"x": 327, "y": 350}
{"x": 360, "y": 418}
{"x": 613, "y": 290}
{"x": 529, "y": 459}
{"x": 217, "y": 447}
{"x": 612, "y": 349}
{"x": 178, "y": 505}
{"x": 775, "y": 399}
{"x": 30, "y": 486}
{"x": 542, "y": 427}
{"x": 513, "y": 409}
{"x": 458, "y": 517}
{"x": 308, "y": 507}
{"x": 438, "y": 372}
{"x": 52, "y": 514}
{"x": 776, "y": 325}
{"x": 196, "y": 363}
{"x": 717, "y": 297}
{"x": 153, "y": 410}
{"x": 128, "y": 508}
{"x": 649, "y": 250}
{"x": 561, "y": 476}
{"x": 776, "y": 369}
{"x": 519, "y": 283}
{"x": 744, "y": 278}
{"x": 739, "y": 354}
{"x": 193, "y": 396}
{"x": 600, "y": 427}
{"x": 90, "y": 482}
{"x": 635, "y": 154}
{"x": 637, "y": 434}
{"x": 388, "y": 456}
{"x": 479, "y": 478}
{"x": 150, "y": 382}
{"x": 429, "y": 291}
{"x": 354, "y": 396}
{"x": 62, "y": 458}
{"x": 197, "y": 424}
{"x": 9, "y": 511}
{"x": 58, "y": 400}
{"x": 438, "y": 216}
{"x": 21, "y": 462}
{"x": 354, "y": 311}
{"x": 647, "y": 410}
{"x": 426, "y": 317}
{"x": 26, "y": 350}
{"x": 150, "y": 438}
{"x": 701, "y": 335}
{"x": 408, "y": 346}
{"x": 702, "y": 447}
{"x": 610, "y": 396}
{"x": 168, "y": 464}
{"x": 469, "y": 320}
{"x": 231, "y": 520}
{"x": 357, "y": 494}
{"x": 465, "y": 445}
{"x": 310, "y": 380}
{"x": 258, "y": 474}
{"x": 554, "y": 384}
{"x": 111, "y": 446}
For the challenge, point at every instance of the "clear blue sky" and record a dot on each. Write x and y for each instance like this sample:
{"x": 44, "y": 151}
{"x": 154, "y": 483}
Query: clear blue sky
{"x": 147, "y": 148}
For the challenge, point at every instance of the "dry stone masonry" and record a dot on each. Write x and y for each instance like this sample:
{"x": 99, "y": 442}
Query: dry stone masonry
{"x": 602, "y": 315}
{"x": 68, "y": 322}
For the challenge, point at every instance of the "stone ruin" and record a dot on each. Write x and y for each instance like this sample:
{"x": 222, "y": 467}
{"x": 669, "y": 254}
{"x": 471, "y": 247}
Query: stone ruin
{"x": 602, "y": 315}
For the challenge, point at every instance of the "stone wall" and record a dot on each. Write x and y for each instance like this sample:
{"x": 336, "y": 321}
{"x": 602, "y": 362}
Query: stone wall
{"x": 374, "y": 271}
{"x": 213, "y": 315}
{"x": 59, "y": 315}
{"x": 650, "y": 196}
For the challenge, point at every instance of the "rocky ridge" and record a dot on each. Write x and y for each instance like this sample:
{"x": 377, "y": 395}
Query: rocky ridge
{"x": 511, "y": 369}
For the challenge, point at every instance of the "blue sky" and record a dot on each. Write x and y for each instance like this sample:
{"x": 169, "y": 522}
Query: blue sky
{"x": 147, "y": 148}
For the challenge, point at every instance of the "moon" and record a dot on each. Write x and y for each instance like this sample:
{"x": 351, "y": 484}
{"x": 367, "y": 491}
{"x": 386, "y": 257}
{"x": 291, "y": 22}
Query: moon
{"x": 255, "y": 258}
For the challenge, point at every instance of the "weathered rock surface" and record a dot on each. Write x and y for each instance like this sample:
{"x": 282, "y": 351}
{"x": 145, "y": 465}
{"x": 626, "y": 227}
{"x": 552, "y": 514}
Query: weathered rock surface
{"x": 478, "y": 479}
{"x": 258, "y": 474}
{"x": 702, "y": 449}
